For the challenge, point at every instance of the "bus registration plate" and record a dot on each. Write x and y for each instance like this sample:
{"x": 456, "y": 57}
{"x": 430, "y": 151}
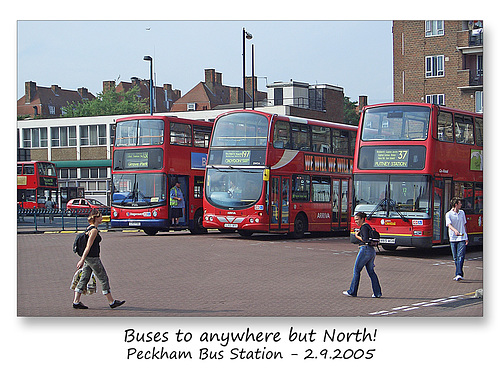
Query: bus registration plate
{"x": 387, "y": 240}
{"x": 134, "y": 224}
{"x": 230, "y": 225}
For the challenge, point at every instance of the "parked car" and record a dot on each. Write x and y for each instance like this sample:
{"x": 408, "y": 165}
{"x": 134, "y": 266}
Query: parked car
{"x": 82, "y": 206}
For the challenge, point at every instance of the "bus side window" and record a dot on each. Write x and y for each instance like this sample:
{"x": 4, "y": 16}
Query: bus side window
{"x": 180, "y": 134}
{"x": 281, "y": 136}
{"x": 445, "y": 127}
{"x": 29, "y": 169}
{"x": 464, "y": 129}
{"x": 321, "y": 139}
{"x": 478, "y": 198}
{"x": 301, "y": 137}
{"x": 479, "y": 131}
{"x": 201, "y": 136}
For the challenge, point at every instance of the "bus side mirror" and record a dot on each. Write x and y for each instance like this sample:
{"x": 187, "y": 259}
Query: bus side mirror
{"x": 266, "y": 174}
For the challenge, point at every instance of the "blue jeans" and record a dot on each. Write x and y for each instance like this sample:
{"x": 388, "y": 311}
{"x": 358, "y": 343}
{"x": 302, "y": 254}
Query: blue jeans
{"x": 458, "y": 252}
{"x": 365, "y": 258}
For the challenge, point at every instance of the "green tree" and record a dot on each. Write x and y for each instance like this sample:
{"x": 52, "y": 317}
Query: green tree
{"x": 350, "y": 115}
{"x": 109, "y": 103}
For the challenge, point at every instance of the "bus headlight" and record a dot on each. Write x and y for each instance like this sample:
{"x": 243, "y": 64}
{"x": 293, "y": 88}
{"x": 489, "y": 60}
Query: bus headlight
{"x": 115, "y": 213}
{"x": 155, "y": 213}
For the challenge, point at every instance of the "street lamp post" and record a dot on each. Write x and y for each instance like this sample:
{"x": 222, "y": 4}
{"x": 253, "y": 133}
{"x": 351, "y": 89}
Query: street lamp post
{"x": 150, "y": 59}
{"x": 253, "y": 78}
{"x": 246, "y": 35}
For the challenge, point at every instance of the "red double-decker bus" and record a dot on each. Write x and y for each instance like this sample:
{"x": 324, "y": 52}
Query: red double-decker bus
{"x": 36, "y": 182}
{"x": 278, "y": 174}
{"x": 151, "y": 154}
{"x": 411, "y": 159}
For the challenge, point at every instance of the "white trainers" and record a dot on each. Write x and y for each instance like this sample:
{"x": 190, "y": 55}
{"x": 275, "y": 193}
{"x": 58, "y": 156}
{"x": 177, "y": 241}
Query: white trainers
{"x": 458, "y": 278}
{"x": 345, "y": 292}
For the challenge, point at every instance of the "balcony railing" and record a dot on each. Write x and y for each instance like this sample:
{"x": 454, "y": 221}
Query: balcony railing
{"x": 476, "y": 77}
{"x": 476, "y": 38}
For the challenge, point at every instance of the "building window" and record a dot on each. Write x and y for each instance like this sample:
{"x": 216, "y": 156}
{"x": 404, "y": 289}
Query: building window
{"x": 52, "y": 110}
{"x": 316, "y": 99}
{"x": 94, "y": 172}
{"x": 278, "y": 96}
{"x": 435, "y": 99}
{"x": 67, "y": 173}
{"x": 92, "y": 135}
{"x": 63, "y": 136}
{"x": 479, "y": 101}
{"x": 434, "y": 66}
{"x": 191, "y": 106}
{"x": 34, "y": 138}
{"x": 434, "y": 28}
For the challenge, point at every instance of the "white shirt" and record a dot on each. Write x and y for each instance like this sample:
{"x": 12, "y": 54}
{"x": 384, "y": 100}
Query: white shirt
{"x": 458, "y": 221}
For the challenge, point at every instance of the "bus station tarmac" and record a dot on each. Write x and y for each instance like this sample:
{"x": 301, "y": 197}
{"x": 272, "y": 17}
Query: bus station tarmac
{"x": 177, "y": 274}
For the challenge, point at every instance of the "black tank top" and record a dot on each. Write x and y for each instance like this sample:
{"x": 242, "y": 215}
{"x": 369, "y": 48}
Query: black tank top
{"x": 95, "y": 249}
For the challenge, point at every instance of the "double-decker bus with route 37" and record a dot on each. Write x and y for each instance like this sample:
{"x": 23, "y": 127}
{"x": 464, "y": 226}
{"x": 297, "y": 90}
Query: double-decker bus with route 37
{"x": 36, "y": 182}
{"x": 411, "y": 159}
{"x": 151, "y": 154}
{"x": 278, "y": 174}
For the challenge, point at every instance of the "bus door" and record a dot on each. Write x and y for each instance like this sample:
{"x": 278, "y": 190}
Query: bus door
{"x": 336, "y": 198}
{"x": 442, "y": 195}
{"x": 344, "y": 204}
{"x": 280, "y": 204}
{"x": 184, "y": 181}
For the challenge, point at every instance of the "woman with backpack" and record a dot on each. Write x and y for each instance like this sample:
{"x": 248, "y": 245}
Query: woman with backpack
{"x": 365, "y": 258}
{"x": 90, "y": 261}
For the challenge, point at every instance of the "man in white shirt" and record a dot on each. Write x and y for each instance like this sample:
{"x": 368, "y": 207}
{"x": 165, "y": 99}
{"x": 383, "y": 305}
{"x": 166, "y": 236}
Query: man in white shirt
{"x": 456, "y": 221}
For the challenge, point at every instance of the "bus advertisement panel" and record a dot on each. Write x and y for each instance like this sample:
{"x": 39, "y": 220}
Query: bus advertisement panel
{"x": 411, "y": 159}
{"x": 36, "y": 183}
{"x": 277, "y": 174}
{"x": 151, "y": 155}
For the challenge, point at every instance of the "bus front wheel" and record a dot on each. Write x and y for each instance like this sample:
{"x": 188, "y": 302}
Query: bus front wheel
{"x": 198, "y": 223}
{"x": 150, "y": 231}
{"x": 245, "y": 233}
{"x": 389, "y": 247}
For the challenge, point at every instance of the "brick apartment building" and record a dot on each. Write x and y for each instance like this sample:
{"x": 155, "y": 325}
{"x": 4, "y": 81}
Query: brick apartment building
{"x": 47, "y": 102}
{"x": 439, "y": 62}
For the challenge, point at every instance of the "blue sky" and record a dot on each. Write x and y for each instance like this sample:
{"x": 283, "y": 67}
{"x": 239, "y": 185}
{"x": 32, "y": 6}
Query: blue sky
{"x": 356, "y": 55}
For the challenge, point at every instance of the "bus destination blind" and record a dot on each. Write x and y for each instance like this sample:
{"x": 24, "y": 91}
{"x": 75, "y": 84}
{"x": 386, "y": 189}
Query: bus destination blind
{"x": 391, "y": 158}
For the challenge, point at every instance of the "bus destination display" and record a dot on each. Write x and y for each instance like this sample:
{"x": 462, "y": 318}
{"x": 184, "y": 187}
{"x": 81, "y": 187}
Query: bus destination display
{"x": 391, "y": 158}
{"x": 136, "y": 160}
{"x": 236, "y": 157}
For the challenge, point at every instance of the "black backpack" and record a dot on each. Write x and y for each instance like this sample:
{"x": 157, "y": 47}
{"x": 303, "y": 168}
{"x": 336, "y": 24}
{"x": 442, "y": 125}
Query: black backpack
{"x": 81, "y": 241}
{"x": 374, "y": 237}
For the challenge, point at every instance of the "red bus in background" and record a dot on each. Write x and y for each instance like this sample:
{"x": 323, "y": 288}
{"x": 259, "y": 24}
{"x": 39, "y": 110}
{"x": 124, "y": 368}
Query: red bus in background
{"x": 36, "y": 182}
{"x": 411, "y": 159}
{"x": 150, "y": 154}
{"x": 278, "y": 174}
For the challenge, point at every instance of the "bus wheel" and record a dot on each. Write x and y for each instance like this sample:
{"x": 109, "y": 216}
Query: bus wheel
{"x": 299, "y": 226}
{"x": 389, "y": 247}
{"x": 150, "y": 231}
{"x": 245, "y": 233}
{"x": 198, "y": 223}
